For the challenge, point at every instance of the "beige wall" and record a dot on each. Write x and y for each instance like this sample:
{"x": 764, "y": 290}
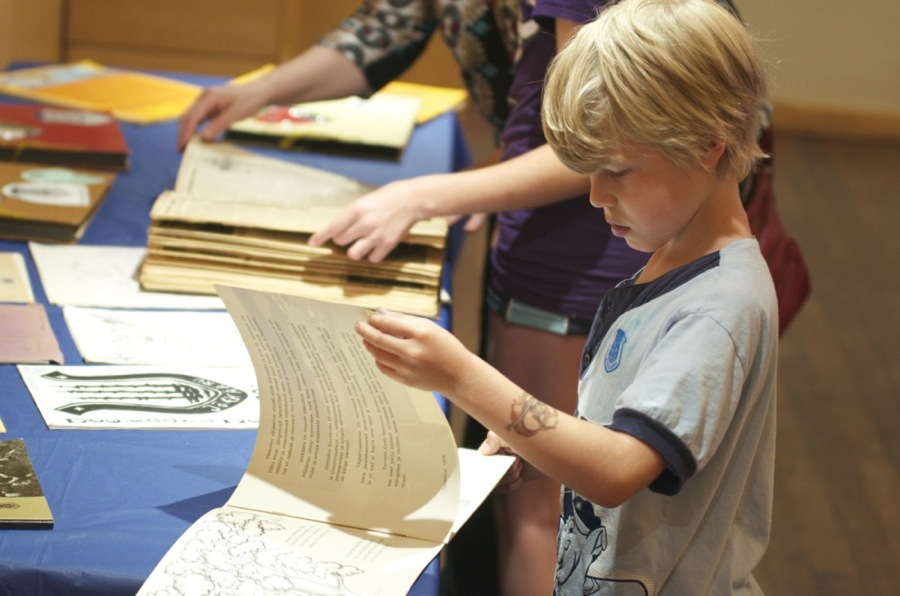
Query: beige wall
{"x": 831, "y": 51}
{"x": 833, "y": 62}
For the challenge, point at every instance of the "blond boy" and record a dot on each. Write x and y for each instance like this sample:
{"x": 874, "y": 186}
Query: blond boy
{"x": 667, "y": 462}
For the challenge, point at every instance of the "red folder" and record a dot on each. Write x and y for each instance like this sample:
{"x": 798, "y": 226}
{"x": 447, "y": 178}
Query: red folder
{"x": 62, "y": 136}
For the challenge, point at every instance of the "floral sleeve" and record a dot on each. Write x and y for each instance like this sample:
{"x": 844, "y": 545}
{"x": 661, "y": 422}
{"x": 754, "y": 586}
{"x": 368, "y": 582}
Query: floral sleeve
{"x": 384, "y": 37}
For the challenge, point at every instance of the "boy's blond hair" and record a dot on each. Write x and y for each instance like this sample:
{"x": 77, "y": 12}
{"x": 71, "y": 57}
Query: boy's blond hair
{"x": 677, "y": 75}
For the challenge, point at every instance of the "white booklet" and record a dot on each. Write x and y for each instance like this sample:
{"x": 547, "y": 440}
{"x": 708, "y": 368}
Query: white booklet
{"x": 355, "y": 482}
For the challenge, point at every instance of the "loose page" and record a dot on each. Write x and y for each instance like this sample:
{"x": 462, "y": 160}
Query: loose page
{"x": 143, "y": 397}
{"x": 339, "y": 441}
{"x": 104, "y": 276}
{"x": 160, "y": 337}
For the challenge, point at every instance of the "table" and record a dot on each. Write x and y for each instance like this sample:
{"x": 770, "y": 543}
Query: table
{"x": 121, "y": 498}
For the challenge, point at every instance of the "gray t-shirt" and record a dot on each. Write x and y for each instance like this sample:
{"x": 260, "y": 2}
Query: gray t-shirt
{"x": 687, "y": 364}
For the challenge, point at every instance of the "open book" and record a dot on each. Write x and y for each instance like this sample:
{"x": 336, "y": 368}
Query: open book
{"x": 238, "y": 218}
{"x": 355, "y": 482}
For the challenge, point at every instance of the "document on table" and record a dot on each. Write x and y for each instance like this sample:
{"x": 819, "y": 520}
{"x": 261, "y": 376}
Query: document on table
{"x": 160, "y": 337}
{"x": 15, "y": 285}
{"x": 26, "y": 335}
{"x": 143, "y": 397}
{"x": 104, "y": 276}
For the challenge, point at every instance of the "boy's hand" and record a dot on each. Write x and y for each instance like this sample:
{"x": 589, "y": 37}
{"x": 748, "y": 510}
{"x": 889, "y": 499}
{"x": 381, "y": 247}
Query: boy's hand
{"x": 416, "y": 351}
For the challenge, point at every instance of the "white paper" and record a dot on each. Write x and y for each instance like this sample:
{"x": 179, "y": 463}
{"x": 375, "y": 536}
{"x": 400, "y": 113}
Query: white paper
{"x": 104, "y": 276}
{"x": 143, "y": 397}
{"x": 161, "y": 337}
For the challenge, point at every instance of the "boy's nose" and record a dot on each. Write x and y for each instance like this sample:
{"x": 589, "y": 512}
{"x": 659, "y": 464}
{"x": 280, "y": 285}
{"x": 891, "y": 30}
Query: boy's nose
{"x": 599, "y": 195}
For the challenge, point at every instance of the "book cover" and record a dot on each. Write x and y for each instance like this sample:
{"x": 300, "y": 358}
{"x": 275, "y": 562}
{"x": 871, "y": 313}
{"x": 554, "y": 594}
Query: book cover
{"x": 61, "y": 136}
{"x": 22, "y": 501}
{"x": 49, "y": 204}
{"x": 355, "y": 483}
{"x": 128, "y": 95}
{"x": 380, "y": 126}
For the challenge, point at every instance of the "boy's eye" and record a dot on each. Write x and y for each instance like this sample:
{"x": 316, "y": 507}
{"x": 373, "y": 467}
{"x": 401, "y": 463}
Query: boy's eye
{"x": 617, "y": 173}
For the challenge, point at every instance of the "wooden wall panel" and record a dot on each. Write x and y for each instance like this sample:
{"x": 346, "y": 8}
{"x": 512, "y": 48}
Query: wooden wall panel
{"x": 216, "y": 37}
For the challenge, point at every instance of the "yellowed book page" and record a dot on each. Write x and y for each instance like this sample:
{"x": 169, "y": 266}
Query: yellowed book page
{"x": 338, "y": 441}
{"x": 222, "y": 183}
{"x": 424, "y": 267}
{"x": 182, "y": 278}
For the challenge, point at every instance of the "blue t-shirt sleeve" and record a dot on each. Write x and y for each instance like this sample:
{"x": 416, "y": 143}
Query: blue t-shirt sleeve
{"x": 680, "y": 462}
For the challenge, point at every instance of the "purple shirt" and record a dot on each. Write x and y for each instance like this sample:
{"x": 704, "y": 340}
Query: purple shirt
{"x": 561, "y": 257}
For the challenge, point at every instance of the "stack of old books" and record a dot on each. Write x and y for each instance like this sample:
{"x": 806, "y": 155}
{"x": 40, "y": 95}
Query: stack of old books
{"x": 242, "y": 219}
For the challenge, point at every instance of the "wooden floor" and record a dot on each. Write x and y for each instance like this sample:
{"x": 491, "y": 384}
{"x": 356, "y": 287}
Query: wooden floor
{"x": 836, "y": 527}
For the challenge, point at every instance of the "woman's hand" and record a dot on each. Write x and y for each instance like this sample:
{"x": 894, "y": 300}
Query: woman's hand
{"x": 218, "y": 107}
{"x": 376, "y": 223}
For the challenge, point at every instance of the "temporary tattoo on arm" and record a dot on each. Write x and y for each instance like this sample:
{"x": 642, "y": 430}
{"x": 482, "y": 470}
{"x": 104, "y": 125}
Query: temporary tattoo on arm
{"x": 529, "y": 416}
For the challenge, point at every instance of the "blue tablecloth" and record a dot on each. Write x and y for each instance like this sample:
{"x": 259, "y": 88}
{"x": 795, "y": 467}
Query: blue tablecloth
{"x": 121, "y": 498}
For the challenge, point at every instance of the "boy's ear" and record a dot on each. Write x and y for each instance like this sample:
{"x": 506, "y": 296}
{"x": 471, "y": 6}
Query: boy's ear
{"x": 714, "y": 154}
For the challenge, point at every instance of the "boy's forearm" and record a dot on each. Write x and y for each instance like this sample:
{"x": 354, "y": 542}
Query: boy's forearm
{"x": 603, "y": 465}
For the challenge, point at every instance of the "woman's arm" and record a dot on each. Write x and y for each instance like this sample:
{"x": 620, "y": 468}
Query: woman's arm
{"x": 324, "y": 71}
{"x": 317, "y": 73}
{"x": 374, "y": 224}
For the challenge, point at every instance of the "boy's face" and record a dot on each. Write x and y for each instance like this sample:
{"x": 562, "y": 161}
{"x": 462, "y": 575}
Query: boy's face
{"x": 648, "y": 199}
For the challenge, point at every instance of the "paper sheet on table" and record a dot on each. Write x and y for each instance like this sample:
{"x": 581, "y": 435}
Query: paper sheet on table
{"x": 15, "y": 285}
{"x": 160, "y": 337}
{"x": 105, "y": 276}
{"x": 143, "y": 397}
{"x": 26, "y": 335}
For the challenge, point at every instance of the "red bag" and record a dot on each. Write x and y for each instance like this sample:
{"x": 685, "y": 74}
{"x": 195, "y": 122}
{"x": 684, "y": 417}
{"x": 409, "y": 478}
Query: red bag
{"x": 780, "y": 250}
